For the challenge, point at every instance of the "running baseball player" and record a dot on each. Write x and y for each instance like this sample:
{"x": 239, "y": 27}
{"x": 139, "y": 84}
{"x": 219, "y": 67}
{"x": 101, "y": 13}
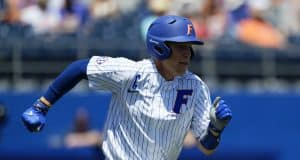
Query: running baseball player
{"x": 155, "y": 101}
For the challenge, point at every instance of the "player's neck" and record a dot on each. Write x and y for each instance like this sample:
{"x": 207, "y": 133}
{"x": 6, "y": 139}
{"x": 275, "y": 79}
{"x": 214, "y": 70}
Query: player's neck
{"x": 166, "y": 74}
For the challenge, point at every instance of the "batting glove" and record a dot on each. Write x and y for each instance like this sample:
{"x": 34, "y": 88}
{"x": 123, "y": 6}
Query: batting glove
{"x": 220, "y": 115}
{"x": 34, "y": 118}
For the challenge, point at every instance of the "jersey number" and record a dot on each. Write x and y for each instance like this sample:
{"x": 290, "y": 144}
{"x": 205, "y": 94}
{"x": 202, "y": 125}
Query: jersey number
{"x": 181, "y": 98}
{"x": 132, "y": 89}
{"x": 134, "y": 85}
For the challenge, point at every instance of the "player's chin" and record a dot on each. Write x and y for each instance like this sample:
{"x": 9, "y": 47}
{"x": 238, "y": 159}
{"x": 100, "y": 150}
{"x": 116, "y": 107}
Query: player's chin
{"x": 181, "y": 71}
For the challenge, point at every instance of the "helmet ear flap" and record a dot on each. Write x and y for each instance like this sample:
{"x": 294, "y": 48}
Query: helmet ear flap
{"x": 162, "y": 51}
{"x": 158, "y": 49}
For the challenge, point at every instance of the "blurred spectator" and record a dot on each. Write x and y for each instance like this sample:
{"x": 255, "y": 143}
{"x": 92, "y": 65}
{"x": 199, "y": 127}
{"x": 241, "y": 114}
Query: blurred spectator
{"x": 11, "y": 13}
{"x": 103, "y": 9}
{"x": 73, "y": 16}
{"x": 157, "y": 8}
{"x": 181, "y": 7}
{"x": 128, "y": 6}
{"x": 2, "y": 113}
{"x": 237, "y": 10}
{"x": 39, "y": 18}
{"x": 82, "y": 135}
{"x": 26, "y": 3}
{"x": 1, "y": 4}
{"x": 255, "y": 30}
{"x": 55, "y": 6}
{"x": 3, "y": 117}
{"x": 213, "y": 19}
{"x": 278, "y": 12}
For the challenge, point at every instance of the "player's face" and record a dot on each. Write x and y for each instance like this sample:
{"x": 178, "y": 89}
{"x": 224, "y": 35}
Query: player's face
{"x": 178, "y": 62}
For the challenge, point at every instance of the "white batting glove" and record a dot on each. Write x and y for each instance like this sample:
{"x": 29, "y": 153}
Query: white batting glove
{"x": 220, "y": 115}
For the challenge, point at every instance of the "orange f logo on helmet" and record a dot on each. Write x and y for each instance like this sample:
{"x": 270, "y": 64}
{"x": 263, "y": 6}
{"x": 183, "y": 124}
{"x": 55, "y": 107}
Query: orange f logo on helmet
{"x": 189, "y": 29}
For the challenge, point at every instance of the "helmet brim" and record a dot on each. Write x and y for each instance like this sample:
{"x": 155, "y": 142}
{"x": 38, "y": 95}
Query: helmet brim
{"x": 185, "y": 39}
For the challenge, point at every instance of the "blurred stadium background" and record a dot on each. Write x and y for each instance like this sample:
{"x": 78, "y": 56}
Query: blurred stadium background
{"x": 251, "y": 58}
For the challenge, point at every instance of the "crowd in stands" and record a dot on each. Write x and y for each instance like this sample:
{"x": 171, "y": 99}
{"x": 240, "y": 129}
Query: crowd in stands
{"x": 63, "y": 30}
{"x": 262, "y": 23}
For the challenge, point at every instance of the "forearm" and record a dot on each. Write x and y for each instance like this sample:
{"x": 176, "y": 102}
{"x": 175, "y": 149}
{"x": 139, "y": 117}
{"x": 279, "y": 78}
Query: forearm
{"x": 34, "y": 117}
{"x": 73, "y": 74}
{"x": 220, "y": 115}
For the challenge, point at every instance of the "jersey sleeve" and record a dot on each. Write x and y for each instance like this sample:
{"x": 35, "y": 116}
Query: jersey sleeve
{"x": 107, "y": 73}
{"x": 200, "y": 119}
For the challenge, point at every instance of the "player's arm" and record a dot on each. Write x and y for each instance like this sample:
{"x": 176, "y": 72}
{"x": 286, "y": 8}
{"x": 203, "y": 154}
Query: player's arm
{"x": 220, "y": 115}
{"x": 34, "y": 116}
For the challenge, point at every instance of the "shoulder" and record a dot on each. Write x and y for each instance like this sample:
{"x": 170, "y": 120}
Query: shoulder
{"x": 101, "y": 59}
{"x": 145, "y": 64}
{"x": 120, "y": 66}
{"x": 120, "y": 63}
{"x": 198, "y": 82}
{"x": 195, "y": 78}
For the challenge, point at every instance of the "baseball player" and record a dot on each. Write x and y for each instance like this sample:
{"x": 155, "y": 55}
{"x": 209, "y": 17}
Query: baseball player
{"x": 155, "y": 102}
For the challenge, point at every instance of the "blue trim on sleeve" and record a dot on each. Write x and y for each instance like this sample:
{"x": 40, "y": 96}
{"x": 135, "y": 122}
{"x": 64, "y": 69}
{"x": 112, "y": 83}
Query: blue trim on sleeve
{"x": 73, "y": 74}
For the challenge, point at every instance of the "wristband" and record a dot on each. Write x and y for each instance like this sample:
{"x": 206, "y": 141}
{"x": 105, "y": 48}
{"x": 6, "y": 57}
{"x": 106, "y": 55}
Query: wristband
{"x": 45, "y": 101}
{"x": 209, "y": 140}
{"x": 40, "y": 106}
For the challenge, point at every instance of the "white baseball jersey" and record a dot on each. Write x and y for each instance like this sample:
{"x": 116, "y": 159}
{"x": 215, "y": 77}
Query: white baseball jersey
{"x": 148, "y": 116}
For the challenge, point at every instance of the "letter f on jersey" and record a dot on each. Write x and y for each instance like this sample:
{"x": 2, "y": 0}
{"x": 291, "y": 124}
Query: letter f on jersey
{"x": 181, "y": 99}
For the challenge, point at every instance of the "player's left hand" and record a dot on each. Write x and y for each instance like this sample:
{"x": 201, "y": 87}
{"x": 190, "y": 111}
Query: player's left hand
{"x": 34, "y": 118}
{"x": 220, "y": 115}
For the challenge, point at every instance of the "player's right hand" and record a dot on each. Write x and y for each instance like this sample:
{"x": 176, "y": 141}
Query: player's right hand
{"x": 34, "y": 118}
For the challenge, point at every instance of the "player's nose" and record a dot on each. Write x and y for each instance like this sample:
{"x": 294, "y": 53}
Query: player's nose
{"x": 186, "y": 53}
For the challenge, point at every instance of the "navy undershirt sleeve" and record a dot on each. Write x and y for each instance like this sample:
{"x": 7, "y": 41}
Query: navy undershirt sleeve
{"x": 73, "y": 74}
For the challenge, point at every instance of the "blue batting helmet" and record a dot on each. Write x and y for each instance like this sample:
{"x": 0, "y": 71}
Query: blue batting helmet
{"x": 169, "y": 28}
